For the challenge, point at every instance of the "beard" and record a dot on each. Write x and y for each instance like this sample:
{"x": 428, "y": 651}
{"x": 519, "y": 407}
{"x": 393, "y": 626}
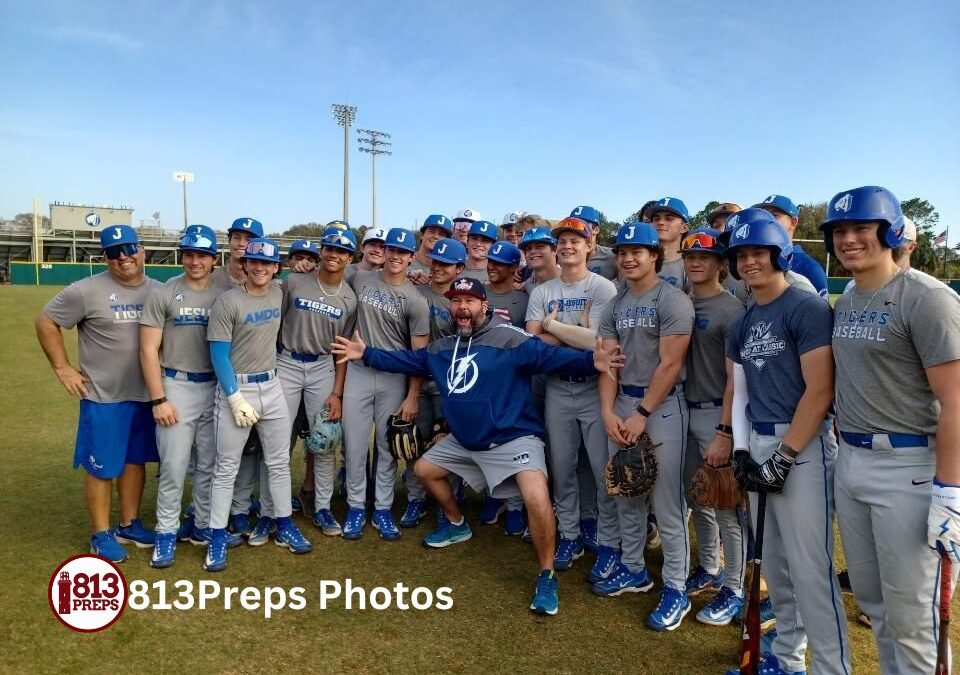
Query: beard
{"x": 472, "y": 327}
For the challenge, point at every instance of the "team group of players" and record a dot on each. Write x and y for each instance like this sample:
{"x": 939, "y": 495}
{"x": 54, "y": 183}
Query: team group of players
{"x": 728, "y": 352}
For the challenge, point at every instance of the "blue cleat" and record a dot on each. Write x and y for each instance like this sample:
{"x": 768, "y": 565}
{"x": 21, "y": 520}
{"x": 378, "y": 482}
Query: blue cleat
{"x": 492, "y": 508}
{"x": 669, "y": 612}
{"x": 327, "y": 523}
{"x": 448, "y": 534}
{"x": 383, "y": 520}
{"x": 262, "y": 531}
{"x": 722, "y": 609}
{"x": 353, "y": 525}
{"x": 514, "y": 526}
{"x": 216, "y": 558}
{"x": 135, "y": 533}
{"x": 415, "y": 512}
{"x": 201, "y": 536}
{"x": 608, "y": 560}
{"x": 588, "y": 533}
{"x": 769, "y": 665}
{"x": 104, "y": 544}
{"x": 622, "y": 580}
{"x": 164, "y": 549}
{"x": 568, "y": 550}
{"x": 700, "y": 580}
{"x": 546, "y": 600}
{"x": 186, "y": 527}
{"x": 295, "y": 504}
{"x": 254, "y": 511}
{"x": 240, "y": 524}
{"x": 767, "y": 618}
{"x": 290, "y": 536}
{"x": 766, "y": 641}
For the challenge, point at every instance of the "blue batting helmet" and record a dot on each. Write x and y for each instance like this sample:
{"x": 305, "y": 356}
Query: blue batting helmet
{"x": 304, "y": 246}
{"x": 401, "y": 238}
{"x": 673, "y": 205}
{"x": 866, "y": 204}
{"x": 758, "y": 227}
{"x": 199, "y": 238}
{"x": 636, "y": 233}
{"x": 537, "y": 234}
{"x": 586, "y": 213}
{"x": 505, "y": 253}
{"x": 449, "y": 251}
{"x": 442, "y": 222}
{"x": 254, "y": 227}
{"x": 702, "y": 240}
{"x": 262, "y": 248}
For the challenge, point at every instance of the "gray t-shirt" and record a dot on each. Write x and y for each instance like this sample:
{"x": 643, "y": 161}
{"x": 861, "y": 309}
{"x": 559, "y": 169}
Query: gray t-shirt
{"x": 251, "y": 324}
{"x": 107, "y": 317}
{"x": 638, "y": 321}
{"x": 737, "y": 288}
{"x": 220, "y": 278}
{"x": 417, "y": 266}
{"x": 439, "y": 305}
{"x": 882, "y": 342}
{"x": 706, "y": 364}
{"x": 388, "y": 315}
{"x": 183, "y": 314}
{"x": 312, "y": 318}
{"x": 768, "y": 341}
{"x": 675, "y": 274}
{"x": 571, "y": 299}
{"x": 603, "y": 262}
{"x": 511, "y": 305}
{"x": 476, "y": 274}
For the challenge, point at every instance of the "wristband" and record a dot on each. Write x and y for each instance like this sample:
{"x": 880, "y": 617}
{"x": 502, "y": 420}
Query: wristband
{"x": 158, "y": 401}
{"x": 643, "y": 412}
{"x": 788, "y": 451}
{"x": 725, "y": 428}
{"x": 946, "y": 494}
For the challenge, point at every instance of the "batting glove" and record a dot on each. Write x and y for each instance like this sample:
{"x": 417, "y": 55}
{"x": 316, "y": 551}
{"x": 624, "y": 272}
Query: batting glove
{"x": 943, "y": 520}
{"x": 743, "y": 465}
{"x": 772, "y": 474}
{"x": 243, "y": 413}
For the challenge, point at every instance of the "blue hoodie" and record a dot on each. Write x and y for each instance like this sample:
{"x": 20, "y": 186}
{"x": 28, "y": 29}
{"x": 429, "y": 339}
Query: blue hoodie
{"x": 484, "y": 380}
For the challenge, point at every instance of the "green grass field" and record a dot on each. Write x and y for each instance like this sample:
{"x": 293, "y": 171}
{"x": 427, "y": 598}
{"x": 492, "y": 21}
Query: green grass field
{"x": 489, "y": 628}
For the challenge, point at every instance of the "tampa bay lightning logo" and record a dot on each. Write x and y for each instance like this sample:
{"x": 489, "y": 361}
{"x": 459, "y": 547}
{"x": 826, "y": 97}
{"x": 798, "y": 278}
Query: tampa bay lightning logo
{"x": 844, "y": 204}
{"x": 462, "y": 374}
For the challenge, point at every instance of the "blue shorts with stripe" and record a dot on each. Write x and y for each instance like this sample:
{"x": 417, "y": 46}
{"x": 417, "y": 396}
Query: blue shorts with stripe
{"x": 110, "y": 435}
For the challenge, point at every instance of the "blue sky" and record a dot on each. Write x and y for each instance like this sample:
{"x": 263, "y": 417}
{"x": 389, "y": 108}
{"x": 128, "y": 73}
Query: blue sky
{"x": 498, "y": 106}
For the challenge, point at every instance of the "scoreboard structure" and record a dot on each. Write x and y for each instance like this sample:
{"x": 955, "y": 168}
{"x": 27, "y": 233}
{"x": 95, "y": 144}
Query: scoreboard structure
{"x": 85, "y": 218}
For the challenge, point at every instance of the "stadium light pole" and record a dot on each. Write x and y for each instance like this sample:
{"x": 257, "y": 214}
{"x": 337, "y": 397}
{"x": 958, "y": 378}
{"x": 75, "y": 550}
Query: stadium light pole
{"x": 373, "y": 142}
{"x": 345, "y": 115}
{"x": 184, "y": 177}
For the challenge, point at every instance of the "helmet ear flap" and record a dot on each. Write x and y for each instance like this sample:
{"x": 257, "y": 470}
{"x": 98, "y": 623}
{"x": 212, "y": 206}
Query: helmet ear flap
{"x": 891, "y": 235}
{"x": 784, "y": 260}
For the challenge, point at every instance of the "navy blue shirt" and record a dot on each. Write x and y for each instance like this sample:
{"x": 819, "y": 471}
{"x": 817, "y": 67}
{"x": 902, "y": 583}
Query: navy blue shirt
{"x": 803, "y": 264}
{"x": 768, "y": 341}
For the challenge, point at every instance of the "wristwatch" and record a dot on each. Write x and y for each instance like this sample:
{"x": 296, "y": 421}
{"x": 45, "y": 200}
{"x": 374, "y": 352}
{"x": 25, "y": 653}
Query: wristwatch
{"x": 643, "y": 411}
{"x": 157, "y": 401}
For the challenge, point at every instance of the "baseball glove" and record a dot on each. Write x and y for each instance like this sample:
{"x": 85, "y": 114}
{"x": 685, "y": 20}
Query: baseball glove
{"x": 325, "y": 435}
{"x": 632, "y": 472}
{"x": 715, "y": 488}
{"x": 403, "y": 439}
{"x": 438, "y": 431}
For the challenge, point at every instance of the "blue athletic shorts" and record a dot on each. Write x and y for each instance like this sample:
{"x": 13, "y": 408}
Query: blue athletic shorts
{"x": 110, "y": 435}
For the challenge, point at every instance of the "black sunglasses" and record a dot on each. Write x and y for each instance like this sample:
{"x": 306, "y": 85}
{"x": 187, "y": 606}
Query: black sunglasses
{"x": 128, "y": 250}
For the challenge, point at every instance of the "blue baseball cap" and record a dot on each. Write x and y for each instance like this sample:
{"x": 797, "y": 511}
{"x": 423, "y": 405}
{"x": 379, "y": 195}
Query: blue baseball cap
{"x": 437, "y": 220}
{"x": 637, "y": 233}
{"x": 339, "y": 224}
{"x": 254, "y": 227}
{"x": 117, "y": 235}
{"x": 780, "y": 203}
{"x": 536, "y": 234}
{"x": 342, "y": 239}
{"x": 466, "y": 286}
{"x": 449, "y": 251}
{"x": 505, "y": 253}
{"x": 587, "y": 213}
{"x": 199, "y": 238}
{"x": 401, "y": 238}
{"x": 483, "y": 228}
{"x": 673, "y": 205}
{"x": 304, "y": 246}
{"x": 261, "y": 248}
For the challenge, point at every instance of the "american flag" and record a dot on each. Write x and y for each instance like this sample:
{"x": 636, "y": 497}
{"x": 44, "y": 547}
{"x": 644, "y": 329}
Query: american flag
{"x": 940, "y": 239}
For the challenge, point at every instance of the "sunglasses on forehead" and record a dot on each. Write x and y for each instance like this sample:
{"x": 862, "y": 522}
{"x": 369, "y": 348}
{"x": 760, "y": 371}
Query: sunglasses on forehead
{"x": 699, "y": 240}
{"x": 128, "y": 250}
{"x": 262, "y": 248}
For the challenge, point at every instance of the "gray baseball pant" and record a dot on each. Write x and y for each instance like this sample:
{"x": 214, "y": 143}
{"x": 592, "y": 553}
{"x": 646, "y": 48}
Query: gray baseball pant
{"x": 274, "y": 431}
{"x": 798, "y": 556}
{"x": 194, "y": 404}
{"x": 248, "y": 475}
{"x": 573, "y": 414}
{"x": 667, "y": 426}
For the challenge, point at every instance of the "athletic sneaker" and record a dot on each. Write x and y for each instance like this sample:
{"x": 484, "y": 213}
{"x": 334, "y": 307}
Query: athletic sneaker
{"x": 447, "y": 534}
{"x": 295, "y": 504}
{"x": 104, "y": 544}
{"x": 588, "y": 533}
{"x": 668, "y": 614}
{"x": 608, "y": 560}
{"x": 201, "y": 536}
{"x": 262, "y": 531}
{"x": 526, "y": 537}
{"x": 164, "y": 549}
{"x": 353, "y": 525}
{"x": 290, "y": 536}
{"x": 769, "y": 665}
{"x": 622, "y": 580}
{"x": 325, "y": 520}
{"x": 240, "y": 524}
{"x": 568, "y": 550}
{"x": 415, "y": 512}
{"x": 186, "y": 527}
{"x": 383, "y": 520}
{"x": 700, "y": 580}
{"x": 308, "y": 502}
{"x": 653, "y": 536}
{"x": 216, "y": 558}
{"x": 546, "y": 600}
{"x": 722, "y": 609}
{"x": 513, "y": 526}
{"x": 254, "y": 510}
{"x": 135, "y": 533}
{"x": 767, "y": 618}
{"x": 492, "y": 508}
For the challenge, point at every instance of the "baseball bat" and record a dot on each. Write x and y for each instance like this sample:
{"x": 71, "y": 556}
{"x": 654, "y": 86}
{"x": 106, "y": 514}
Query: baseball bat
{"x": 750, "y": 636}
{"x": 943, "y": 639}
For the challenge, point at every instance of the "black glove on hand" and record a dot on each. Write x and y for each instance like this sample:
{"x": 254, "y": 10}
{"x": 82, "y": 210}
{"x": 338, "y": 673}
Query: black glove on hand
{"x": 743, "y": 464}
{"x": 772, "y": 474}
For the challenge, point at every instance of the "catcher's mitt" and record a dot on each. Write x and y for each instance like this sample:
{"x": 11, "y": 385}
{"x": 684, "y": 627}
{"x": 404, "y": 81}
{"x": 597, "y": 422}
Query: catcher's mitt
{"x": 438, "y": 431}
{"x": 325, "y": 435}
{"x": 715, "y": 488}
{"x": 403, "y": 439}
{"x": 632, "y": 472}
